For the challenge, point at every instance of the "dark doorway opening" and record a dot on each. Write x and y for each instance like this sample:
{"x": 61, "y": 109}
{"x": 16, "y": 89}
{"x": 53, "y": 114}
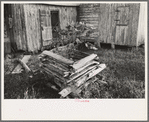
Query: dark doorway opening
{"x": 55, "y": 23}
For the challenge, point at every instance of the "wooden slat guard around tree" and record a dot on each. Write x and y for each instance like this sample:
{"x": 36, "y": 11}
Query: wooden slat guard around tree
{"x": 58, "y": 57}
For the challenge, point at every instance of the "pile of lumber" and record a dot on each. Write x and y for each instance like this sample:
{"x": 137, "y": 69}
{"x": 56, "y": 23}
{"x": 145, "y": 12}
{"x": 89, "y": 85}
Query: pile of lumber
{"x": 71, "y": 77}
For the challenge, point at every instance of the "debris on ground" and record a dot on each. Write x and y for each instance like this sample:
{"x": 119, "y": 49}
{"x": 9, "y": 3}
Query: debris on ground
{"x": 78, "y": 33}
{"x": 22, "y": 63}
{"x": 73, "y": 72}
{"x": 90, "y": 46}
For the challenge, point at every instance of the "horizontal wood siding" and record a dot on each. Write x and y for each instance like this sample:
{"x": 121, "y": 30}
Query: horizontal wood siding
{"x": 89, "y": 13}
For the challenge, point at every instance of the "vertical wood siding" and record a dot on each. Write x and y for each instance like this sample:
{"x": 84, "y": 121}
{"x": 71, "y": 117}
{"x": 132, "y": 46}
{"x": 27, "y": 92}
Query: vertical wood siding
{"x": 18, "y": 24}
{"x": 117, "y": 23}
{"x": 26, "y": 27}
{"x": 32, "y": 19}
{"x": 142, "y": 24}
{"x": 32, "y": 28}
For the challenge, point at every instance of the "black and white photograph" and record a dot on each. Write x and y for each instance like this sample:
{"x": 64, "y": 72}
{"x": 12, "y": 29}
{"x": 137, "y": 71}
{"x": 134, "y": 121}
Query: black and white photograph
{"x": 80, "y": 51}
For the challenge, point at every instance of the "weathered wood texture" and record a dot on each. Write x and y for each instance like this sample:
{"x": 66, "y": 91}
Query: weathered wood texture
{"x": 24, "y": 60}
{"x": 26, "y": 32}
{"x": 76, "y": 76}
{"x": 116, "y": 23}
{"x": 32, "y": 28}
{"x": 142, "y": 24}
{"x": 7, "y": 30}
{"x": 34, "y": 19}
{"x": 89, "y": 13}
{"x": 19, "y": 32}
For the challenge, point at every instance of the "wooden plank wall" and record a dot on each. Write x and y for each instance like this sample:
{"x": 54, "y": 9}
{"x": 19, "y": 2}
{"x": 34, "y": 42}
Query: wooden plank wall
{"x": 116, "y": 23}
{"x": 18, "y": 26}
{"x": 32, "y": 28}
{"x": 25, "y": 33}
{"x": 142, "y": 24}
{"x": 32, "y": 19}
{"x": 7, "y": 29}
{"x": 109, "y": 29}
{"x": 89, "y": 13}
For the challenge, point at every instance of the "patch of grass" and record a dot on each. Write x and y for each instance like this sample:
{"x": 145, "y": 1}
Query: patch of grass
{"x": 125, "y": 75}
{"x": 20, "y": 86}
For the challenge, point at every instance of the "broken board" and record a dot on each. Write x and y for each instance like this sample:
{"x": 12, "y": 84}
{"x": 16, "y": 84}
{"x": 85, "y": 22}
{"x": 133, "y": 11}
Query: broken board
{"x": 18, "y": 68}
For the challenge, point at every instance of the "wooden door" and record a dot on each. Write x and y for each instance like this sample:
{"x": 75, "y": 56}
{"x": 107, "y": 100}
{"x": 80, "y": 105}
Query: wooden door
{"x": 122, "y": 22}
{"x": 46, "y": 29}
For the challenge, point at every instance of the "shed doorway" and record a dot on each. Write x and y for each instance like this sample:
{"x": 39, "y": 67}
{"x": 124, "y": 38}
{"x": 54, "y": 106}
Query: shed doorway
{"x": 55, "y": 23}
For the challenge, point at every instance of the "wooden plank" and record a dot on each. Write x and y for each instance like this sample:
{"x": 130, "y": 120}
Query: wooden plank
{"x": 11, "y": 34}
{"x": 65, "y": 92}
{"x": 58, "y": 57}
{"x": 83, "y": 61}
{"x": 88, "y": 14}
{"x": 55, "y": 62}
{"x": 19, "y": 28}
{"x": 108, "y": 28}
{"x": 40, "y": 29}
{"x": 135, "y": 20}
{"x": 94, "y": 10}
{"x": 84, "y": 77}
{"x": 55, "y": 68}
{"x": 23, "y": 26}
{"x": 142, "y": 24}
{"x": 15, "y": 30}
{"x": 54, "y": 74}
{"x": 27, "y": 69}
{"x": 85, "y": 85}
{"x": 25, "y": 59}
{"x": 102, "y": 23}
{"x": 113, "y": 28}
{"x": 91, "y": 63}
{"x": 89, "y": 19}
{"x": 28, "y": 28}
{"x": 82, "y": 80}
{"x": 84, "y": 71}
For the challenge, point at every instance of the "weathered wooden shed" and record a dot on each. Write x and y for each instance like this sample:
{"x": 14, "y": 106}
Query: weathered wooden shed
{"x": 29, "y": 26}
{"x": 117, "y": 23}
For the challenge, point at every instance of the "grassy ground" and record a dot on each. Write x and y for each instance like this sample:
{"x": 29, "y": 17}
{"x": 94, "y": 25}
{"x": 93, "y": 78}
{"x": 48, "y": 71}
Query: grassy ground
{"x": 125, "y": 75}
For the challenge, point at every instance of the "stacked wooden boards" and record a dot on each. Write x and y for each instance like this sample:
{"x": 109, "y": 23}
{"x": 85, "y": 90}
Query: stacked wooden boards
{"x": 71, "y": 76}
